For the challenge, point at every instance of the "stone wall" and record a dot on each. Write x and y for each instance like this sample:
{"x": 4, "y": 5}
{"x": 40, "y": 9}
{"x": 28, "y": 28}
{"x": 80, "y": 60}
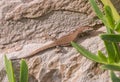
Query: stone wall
{"x": 26, "y": 25}
{"x": 28, "y": 21}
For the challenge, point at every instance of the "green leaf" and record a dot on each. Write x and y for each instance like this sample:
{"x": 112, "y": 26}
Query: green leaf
{"x": 110, "y": 50}
{"x": 23, "y": 71}
{"x": 86, "y": 53}
{"x": 114, "y": 78}
{"x": 9, "y": 70}
{"x": 109, "y": 17}
{"x": 96, "y": 9}
{"x": 102, "y": 56}
{"x": 110, "y": 37}
{"x": 115, "y": 13}
{"x": 117, "y": 26}
{"x": 117, "y": 52}
{"x": 111, "y": 67}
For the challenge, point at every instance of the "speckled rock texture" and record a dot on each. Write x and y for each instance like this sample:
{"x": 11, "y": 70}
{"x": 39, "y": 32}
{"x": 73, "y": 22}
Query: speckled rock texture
{"x": 41, "y": 20}
{"x": 26, "y": 25}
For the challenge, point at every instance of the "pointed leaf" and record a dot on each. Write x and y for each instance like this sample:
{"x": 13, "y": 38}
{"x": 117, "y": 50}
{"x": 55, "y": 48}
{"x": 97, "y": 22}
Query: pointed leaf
{"x": 109, "y": 17}
{"x": 114, "y": 49}
{"x": 110, "y": 37}
{"x": 111, "y": 67}
{"x": 117, "y": 26}
{"x": 96, "y": 9}
{"x": 110, "y": 50}
{"x": 9, "y": 70}
{"x": 102, "y": 56}
{"x": 115, "y": 13}
{"x": 114, "y": 78}
{"x": 86, "y": 53}
{"x": 23, "y": 71}
{"x": 117, "y": 52}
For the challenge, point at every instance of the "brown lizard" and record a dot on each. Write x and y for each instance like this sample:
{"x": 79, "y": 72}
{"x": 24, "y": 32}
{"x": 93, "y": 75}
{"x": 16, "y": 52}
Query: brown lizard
{"x": 61, "y": 41}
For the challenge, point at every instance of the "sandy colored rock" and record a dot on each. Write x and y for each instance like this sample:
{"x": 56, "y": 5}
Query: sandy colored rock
{"x": 68, "y": 65}
{"x": 40, "y": 21}
{"x": 26, "y": 25}
{"x": 38, "y": 8}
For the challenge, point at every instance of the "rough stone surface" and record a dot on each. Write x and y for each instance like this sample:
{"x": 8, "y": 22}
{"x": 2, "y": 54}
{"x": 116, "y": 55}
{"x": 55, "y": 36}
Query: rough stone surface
{"x": 41, "y": 20}
{"x": 37, "y": 8}
{"x": 26, "y": 25}
{"x": 65, "y": 64}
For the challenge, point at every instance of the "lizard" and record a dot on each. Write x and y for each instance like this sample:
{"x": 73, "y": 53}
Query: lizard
{"x": 67, "y": 39}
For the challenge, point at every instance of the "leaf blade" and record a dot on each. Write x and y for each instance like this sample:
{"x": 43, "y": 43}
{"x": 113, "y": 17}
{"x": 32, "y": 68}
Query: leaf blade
{"x": 117, "y": 26}
{"x": 114, "y": 78}
{"x": 110, "y": 37}
{"x": 9, "y": 69}
{"x": 111, "y": 67}
{"x": 115, "y": 13}
{"x": 86, "y": 53}
{"x": 109, "y": 17}
{"x": 96, "y": 9}
{"x": 23, "y": 71}
{"x": 102, "y": 56}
